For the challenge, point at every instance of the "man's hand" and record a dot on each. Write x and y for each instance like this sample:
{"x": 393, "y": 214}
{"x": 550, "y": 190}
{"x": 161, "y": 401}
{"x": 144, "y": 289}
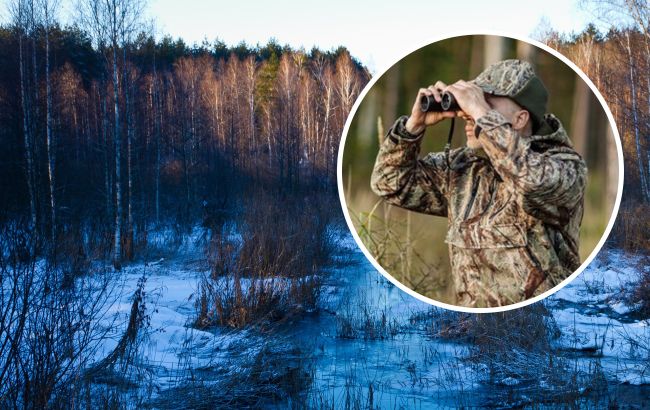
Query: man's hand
{"x": 418, "y": 121}
{"x": 470, "y": 98}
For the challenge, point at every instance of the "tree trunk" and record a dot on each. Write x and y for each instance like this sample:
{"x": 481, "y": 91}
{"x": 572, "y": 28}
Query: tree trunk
{"x": 647, "y": 76}
{"x": 580, "y": 116}
{"x": 117, "y": 255}
{"x": 128, "y": 239}
{"x": 526, "y": 52}
{"x": 635, "y": 120}
{"x": 29, "y": 160}
{"x": 108, "y": 180}
{"x": 494, "y": 50}
{"x": 156, "y": 131}
{"x": 612, "y": 169}
{"x": 49, "y": 137}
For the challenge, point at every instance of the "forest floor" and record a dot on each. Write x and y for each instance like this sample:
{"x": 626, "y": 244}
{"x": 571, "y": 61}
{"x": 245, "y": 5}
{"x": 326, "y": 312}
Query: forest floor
{"x": 371, "y": 345}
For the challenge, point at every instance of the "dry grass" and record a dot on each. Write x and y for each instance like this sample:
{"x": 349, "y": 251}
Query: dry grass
{"x": 513, "y": 354}
{"x": 395, "y": 244}
{"x": 274, "y": 272}
{"x": 632, "y": 229}
{"x": 240, "y": 302}
{"x": 636, "y": 294}
{"x": 273, "y": 375}
{"x": 366, "y": 323}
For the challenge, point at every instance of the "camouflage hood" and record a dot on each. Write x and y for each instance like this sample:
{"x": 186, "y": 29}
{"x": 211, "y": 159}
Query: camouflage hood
{"x": 555, "y": 134}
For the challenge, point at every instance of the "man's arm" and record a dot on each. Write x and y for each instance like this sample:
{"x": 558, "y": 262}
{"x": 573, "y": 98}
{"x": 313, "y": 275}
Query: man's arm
{"x": 551, "y": 183}
{"x": 402, "y": 179}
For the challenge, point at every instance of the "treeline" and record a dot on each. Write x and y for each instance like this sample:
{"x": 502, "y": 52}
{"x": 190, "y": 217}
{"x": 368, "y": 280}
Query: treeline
{"x": 618, "y": 62}
{"x": 141, "y": 131}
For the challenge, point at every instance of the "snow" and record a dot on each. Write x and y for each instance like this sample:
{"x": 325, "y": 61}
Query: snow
{"x": 171, "y": 345}
{"x": 595, "y": 324}
{"x": 594, "y": 319}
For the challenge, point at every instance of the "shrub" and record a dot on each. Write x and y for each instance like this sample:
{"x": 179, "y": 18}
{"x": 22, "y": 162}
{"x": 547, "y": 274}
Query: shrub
{"x": 50, "y": 325}
{"x": 273, "y": 273}
{"x": 365, "y": 322}
{"x": 632, "y": 229}
{"x": 637, "y": 292}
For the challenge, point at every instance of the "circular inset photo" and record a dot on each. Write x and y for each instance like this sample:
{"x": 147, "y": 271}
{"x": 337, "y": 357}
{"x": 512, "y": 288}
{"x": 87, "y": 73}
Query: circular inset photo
{"x": 480, "y": 172}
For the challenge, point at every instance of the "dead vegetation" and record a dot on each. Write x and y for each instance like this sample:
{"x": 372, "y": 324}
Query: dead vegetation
{"x": 632, "y": 229}
{"x": 273, "y": 271}
{"x": 49, "y": 325}
{"x": 513, "y": 353}
{"x": 125, "y": 353}
{"x": 636, "y": 294}
{"x": 362, "y": 321}
{"x": 274, "y": 373}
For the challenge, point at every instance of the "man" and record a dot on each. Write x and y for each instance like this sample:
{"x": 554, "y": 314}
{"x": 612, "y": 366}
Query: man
{"x": 513, "y": 195}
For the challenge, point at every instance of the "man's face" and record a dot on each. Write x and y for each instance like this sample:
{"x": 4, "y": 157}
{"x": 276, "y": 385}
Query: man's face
{"x": 510, "y": 110}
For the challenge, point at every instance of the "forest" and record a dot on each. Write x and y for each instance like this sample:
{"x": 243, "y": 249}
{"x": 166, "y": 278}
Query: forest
{"x": 618, "y": 63}
{"x": 125, "y": 131}
{"x": 172, "y": 235}
{"x": 117, "y": 144}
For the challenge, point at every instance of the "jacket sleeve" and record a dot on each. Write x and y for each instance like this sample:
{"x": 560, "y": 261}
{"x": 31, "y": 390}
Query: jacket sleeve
{"x": 551, "y": 183}
{"x": 402, "y": 179}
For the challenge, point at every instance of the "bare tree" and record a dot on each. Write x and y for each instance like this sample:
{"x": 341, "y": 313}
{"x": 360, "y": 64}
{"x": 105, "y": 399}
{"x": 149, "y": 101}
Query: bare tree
{"x": 112, "y": 23}
{"x": 19, "y": 12}
{"x": 632, "y": 14}
{"x": 325, "y": 77}
{"x": 48, "y": 10}
{"x": 250, "y": 77}
{"x": 635, "y": 115}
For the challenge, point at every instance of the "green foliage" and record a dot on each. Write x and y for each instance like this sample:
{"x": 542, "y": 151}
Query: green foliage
{"x": 265, "y": 86}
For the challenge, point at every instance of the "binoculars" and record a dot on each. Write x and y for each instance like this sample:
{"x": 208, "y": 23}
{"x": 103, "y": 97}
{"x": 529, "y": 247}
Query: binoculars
{"x": 447, "y": 103}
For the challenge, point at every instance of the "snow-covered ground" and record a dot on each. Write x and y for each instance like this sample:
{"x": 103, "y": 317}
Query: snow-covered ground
{"x": 385, "y": 357}
{"x": 595, "y": 320}
{"x": 171, "y": 350}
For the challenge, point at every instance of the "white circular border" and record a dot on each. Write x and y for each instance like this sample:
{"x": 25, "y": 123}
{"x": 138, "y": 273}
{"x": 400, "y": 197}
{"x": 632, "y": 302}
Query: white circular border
{"x": 617, "y": 203}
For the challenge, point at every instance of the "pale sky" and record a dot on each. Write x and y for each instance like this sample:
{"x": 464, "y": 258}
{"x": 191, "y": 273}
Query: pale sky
{"x": 377, "y": 33}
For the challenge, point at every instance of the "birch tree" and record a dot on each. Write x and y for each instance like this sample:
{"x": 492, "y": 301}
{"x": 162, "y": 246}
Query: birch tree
{"x": 19, "y": 11}
{"x": 111, "y": 22}
{"x": 48, "y": 10}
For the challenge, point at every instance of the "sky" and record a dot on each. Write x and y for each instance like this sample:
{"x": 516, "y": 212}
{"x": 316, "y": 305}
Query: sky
{"x": 377, "y": 33}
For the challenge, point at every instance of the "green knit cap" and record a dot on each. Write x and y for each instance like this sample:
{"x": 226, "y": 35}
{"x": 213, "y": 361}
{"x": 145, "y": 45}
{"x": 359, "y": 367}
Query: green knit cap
{"x": 516, "y": 79}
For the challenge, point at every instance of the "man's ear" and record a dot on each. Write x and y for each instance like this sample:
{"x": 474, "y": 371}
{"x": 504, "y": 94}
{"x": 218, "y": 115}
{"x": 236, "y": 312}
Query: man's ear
{"x": 521, "y": 118}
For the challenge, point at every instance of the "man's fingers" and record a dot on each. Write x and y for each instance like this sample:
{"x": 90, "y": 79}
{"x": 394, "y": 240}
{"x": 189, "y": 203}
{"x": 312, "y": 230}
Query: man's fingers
{"x": 438, "y": 87}
{"x": 452, "y": 87}
{"x": 435, "y": 92}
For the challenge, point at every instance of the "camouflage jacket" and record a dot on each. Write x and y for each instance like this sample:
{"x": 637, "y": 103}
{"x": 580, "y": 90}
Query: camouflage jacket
{"x": 514, "y": 207}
